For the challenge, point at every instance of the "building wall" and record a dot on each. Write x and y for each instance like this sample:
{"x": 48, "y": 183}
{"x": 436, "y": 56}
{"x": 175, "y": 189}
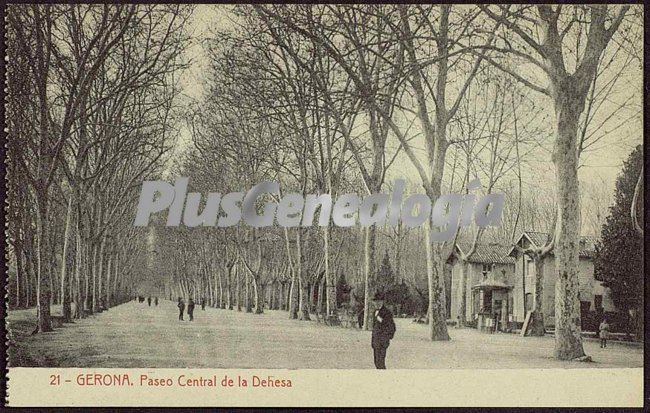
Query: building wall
{"x": 474, "y": 276}
{"x": 455, "y": 285}
{"x": 589, "y": 288}
{"x": 519, "y": 312}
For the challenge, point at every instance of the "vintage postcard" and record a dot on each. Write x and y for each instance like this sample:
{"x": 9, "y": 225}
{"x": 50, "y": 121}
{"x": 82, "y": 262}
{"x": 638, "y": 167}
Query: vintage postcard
{"x": 265, "y": 205}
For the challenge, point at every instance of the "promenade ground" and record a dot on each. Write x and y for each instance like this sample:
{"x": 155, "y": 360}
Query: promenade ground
{"x": 136, "y": 335}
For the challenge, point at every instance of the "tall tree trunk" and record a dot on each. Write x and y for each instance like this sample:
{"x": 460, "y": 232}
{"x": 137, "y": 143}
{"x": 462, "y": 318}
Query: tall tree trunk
{"x": 223, "y": 289}
{"x": 229, "y": 286}
{"x": 292, "y": 304}
{"x": 303, "y": 288}
{"x": 283, "y": 296}
{"x": 32, "y": 277}
{"x": 93, "y": 265}
{"x": 43, "y": 291}
{"x": 238, "y": 289}
{"x": 100, "y": 271}
{"x": 319, "y": 303}
{"x": 107, "y": 293}
{"x": 115, "y": 272}
{"x": 568, "y": 107}
{"x": 369, "y": 271}
{"x": 462, "y": 297}
{"x": 435, "y": 277}
{"x": 247, "y": 295}
{"x": 312, "y": 294}
{"x": 303, "y": 301}
{"x": 64, "y": 260}
{"x": 330, "y": 279}
{"x": 78, "y": 303}
{"x": 537, "y": 317}
{"x": 19, "y": 273}
{"x": 258, "y": 290}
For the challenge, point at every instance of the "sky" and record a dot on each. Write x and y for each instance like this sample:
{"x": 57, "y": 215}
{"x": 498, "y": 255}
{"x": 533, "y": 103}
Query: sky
{"x": 599, "y": 167}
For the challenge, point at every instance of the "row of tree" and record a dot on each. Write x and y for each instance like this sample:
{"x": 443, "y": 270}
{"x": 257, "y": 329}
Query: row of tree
{"x": 331, "y": 99}
{"x": 91, "y": 107}
{"x": 323, "y": 99}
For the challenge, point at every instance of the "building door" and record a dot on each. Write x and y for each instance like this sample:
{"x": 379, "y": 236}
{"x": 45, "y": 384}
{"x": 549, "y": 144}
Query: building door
{"x": 529, "y": 302}
{"x": 497, "y": 311}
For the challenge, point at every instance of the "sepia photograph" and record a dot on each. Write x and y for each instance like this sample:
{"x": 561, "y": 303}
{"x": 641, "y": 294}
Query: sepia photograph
{"x": 332, "y": 186}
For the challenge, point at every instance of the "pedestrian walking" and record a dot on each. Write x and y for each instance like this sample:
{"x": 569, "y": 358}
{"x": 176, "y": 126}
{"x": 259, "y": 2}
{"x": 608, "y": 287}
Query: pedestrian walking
{"x": 149, "y": 301}
{"x": 156, "y": 301}
{"x": 383, "y": 330}
{"x": 190, "y": 309}
{"x": 181, "y": 308}
{"x": 203, "y": 304}
{"x": 603, "y": 333}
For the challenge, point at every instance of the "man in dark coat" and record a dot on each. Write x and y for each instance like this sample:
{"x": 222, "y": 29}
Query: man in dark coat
{"x": 383, "y": 330}
{"x": 155, "y": 300}
{"x": 203, "y": 304}
{"x": 149, "y": 301}
{"x": 181, "y": 308}
{"x": 190, "y": 309}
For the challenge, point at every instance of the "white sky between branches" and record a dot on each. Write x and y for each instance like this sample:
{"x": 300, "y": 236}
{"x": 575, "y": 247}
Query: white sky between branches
{"x": 599, "y": 166}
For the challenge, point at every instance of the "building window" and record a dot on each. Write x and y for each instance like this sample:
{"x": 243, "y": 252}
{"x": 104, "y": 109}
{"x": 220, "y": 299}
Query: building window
{"x": 487, "y": 268}
{"x": 530, "y": 276}
{"x": 487, "y": 302}
{"x": 598, "y": 303}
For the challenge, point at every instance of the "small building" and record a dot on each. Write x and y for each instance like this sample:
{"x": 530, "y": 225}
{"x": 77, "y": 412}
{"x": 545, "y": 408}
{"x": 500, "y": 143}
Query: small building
{"x": 595, "y": 299}
{"x": 489, "y": 273}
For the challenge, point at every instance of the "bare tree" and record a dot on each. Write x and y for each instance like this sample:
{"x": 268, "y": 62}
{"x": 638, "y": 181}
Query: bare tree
{"x": 570, "y": 79}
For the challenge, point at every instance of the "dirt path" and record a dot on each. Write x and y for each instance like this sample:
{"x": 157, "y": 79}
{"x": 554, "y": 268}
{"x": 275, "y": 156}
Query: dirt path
{"x": 135, "y": 335}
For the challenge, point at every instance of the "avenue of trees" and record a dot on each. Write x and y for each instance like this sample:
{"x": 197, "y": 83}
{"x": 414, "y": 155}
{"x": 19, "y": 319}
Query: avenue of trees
{"x": 90, "y": 113}
{"x": 325, "y": 99}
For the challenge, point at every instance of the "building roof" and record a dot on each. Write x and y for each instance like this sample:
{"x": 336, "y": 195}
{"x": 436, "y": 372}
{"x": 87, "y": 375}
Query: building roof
{"x": 488, "y": 253}
{"x": 491, "y": 285}
{"x": 539, "y": 239}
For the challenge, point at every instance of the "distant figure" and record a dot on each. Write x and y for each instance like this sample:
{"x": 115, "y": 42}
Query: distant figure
{"x": 181, "y": 308}
{"x": 360, "y": 318}
{"x": 155, "y": 300}
{"x": 604, "y": 333}
{"x": 203, "y": 304}
{"x": 190, "y": 309}
{"x": 383, "y": 330}
{"x": 149, "y": 301}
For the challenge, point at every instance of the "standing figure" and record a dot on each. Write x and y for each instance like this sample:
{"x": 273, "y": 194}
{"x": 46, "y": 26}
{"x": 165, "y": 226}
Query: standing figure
{"x": 149, "y": 301}
{"x": 383, "y": 330}
{"x": 604, "y": 333}
{"x": 190, "y": 309}
{"x": 181, "y": 308}
{"x": 203, "y": 304}
{"x": 155, "y": 300}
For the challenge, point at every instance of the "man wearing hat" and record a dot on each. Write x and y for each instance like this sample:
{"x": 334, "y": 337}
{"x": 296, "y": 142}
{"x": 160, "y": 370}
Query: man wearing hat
{"x": 383, "y": 330}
